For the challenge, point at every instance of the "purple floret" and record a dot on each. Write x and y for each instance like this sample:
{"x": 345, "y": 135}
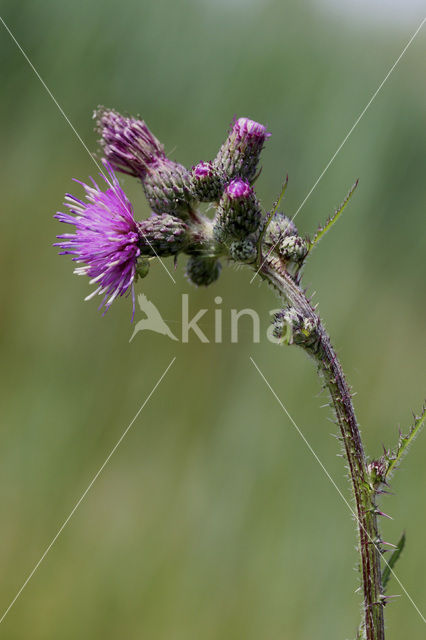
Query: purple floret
{"x": 244, "y": 127}
{"x": 238, "y": 188}
{"x": 128, "y": 144}
{"x": 106, "y": 238}
{"x": 202, "y": 169}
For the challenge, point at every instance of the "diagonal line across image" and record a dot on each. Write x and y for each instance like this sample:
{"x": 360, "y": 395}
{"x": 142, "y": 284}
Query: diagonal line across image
{"x": 86, "y": 491}
{"x": 73, "y": 128}
{"x": 341, "y": 145}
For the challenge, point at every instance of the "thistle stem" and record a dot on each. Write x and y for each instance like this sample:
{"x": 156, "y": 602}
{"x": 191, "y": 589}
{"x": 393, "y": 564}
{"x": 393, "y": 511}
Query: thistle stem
{"x": 330, "y": 368}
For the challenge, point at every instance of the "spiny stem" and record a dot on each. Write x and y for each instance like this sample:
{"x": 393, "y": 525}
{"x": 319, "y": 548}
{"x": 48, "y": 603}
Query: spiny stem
{"x": 329, "y": 366}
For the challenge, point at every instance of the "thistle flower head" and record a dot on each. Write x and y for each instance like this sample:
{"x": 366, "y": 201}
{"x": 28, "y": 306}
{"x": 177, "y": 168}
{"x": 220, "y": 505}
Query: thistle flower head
{"x": 238, "y": 189}
{"x": 293, "y": 247}
{"x": 238, "y": 213}
{"x": 106, "y": 239}
{"x": 279, "y": 228}
{"x": 130, "y": 147}
{"x": 240, "y": 153}
{"x": 167, "y": 187}
{"x": 293, "y": 327}
{"x": 202, "y": 170}
{"x": 243, "y": 250}
{"x": 207, "y": 182}
{"x": 128, "y": 144}
{"x": 246, "y": 128}
{"x": 162, "y": 235}
{"x": 202, "y": 271}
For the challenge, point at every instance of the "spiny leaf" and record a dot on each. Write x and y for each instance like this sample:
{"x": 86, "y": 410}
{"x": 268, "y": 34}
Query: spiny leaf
{"x": 322, "y": 230}
{"x": 392, "y": 562}
{"x": 394, "y": 458}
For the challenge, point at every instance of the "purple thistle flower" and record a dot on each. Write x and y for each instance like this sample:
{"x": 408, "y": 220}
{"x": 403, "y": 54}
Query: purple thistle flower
{"x": 128, "y": 144}
{"x": 106, "y": 238}
{"x": 130, "y": 147}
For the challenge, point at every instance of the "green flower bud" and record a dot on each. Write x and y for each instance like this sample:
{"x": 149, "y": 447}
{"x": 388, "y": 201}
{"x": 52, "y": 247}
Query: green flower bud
{"x": 293, "y": 248}
{"x": 202, "y": 271}
{"x": 207, "y": 182}
{"x": 292, "y": 327}
{"x": 162, "y": 235}
{"x": 279, "y": 227}
{"x": 238, "y": 213}
{"x": 142, "y": 268}
{"x": 243, "y": 251}
{"x": 167, "y": 187}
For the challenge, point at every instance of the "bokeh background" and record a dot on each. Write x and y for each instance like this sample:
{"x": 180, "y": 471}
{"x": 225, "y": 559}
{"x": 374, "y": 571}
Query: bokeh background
{"x": 212, "y": 519}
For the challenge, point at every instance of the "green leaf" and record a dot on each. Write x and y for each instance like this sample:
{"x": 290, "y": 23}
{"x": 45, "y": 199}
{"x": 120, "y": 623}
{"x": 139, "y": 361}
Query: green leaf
{"x": 394, "y": 458}
{"x": 392, "y": 562}
{"x": 322, "y": 230}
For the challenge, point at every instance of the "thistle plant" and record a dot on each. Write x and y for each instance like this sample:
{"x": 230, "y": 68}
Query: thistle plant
{"x": 115, "y": 251}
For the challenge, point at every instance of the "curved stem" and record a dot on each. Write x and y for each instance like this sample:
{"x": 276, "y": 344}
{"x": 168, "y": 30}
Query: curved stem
{"x": 330, "y": 368}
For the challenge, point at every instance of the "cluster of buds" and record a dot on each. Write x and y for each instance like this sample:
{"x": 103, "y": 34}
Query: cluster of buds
{"x": 114, "y": 249}
{"x": 292, "y": 327}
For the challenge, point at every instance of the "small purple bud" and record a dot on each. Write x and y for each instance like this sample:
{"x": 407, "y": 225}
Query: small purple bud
{"x": 238, "y": 212}
{"x": 239, "y": 154}
{"x": 247, "y": 127}
{"x": 203, "y": 170}
{"x": 238, "y": 189}
{"x": 377, "y": 469}
{"x": 207, "y": 182}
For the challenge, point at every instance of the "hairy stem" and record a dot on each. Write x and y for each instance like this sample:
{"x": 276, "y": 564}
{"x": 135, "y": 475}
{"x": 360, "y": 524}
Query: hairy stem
{"x": 330, "y": 368}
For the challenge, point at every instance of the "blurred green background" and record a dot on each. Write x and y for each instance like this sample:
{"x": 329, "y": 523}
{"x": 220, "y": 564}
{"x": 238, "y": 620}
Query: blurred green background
{"x": 212, "y": 519}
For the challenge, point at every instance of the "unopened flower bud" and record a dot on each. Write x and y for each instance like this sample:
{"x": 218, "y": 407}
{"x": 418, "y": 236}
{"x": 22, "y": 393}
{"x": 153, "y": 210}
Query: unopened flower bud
{"x": 203, "y": 271}
{"x": 239, "y": 154}
{"x": 207, "y": 182}
{"x": 243, "y": 251}
{"x": 142, "y": 268}
{"x": 293, "y": 248}
{"x": 162, "y": 235}
{"x": 377, "y": 469}
{"x": 292, "y": 327}
{"x": 167, "y": 187}
{"x": 278, "y": 228}
{"x": 238, "y": 212}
